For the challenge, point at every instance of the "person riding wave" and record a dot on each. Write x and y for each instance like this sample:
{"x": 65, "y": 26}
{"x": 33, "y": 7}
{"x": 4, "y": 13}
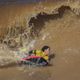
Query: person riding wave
{"x": 42, "y": 56}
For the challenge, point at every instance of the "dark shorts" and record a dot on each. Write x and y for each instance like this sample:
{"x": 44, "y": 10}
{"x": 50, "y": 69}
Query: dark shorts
{"x": 40, "y": 61}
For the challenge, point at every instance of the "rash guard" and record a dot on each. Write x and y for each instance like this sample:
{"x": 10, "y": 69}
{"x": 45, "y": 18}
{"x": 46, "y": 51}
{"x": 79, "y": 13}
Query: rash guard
{"x": 41, "y": 54}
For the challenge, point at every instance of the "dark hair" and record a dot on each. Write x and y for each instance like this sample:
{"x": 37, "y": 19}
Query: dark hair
{"x": 44, "y": 48}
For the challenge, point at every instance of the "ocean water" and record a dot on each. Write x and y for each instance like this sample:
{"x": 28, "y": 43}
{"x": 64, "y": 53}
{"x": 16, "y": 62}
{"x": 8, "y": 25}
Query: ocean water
{"x": 19, "y": 1}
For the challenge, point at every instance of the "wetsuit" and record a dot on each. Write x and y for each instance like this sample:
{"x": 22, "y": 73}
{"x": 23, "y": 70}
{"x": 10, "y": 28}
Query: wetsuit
{"x": 43, "y": 58}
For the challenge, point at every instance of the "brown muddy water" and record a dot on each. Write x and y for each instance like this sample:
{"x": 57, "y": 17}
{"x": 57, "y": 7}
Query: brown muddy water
{"x": 61, "y": 32}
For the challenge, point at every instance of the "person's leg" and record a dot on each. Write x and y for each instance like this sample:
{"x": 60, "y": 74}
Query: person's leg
{"x": 34, "y": 60}
{"x": 43, "y": 62}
